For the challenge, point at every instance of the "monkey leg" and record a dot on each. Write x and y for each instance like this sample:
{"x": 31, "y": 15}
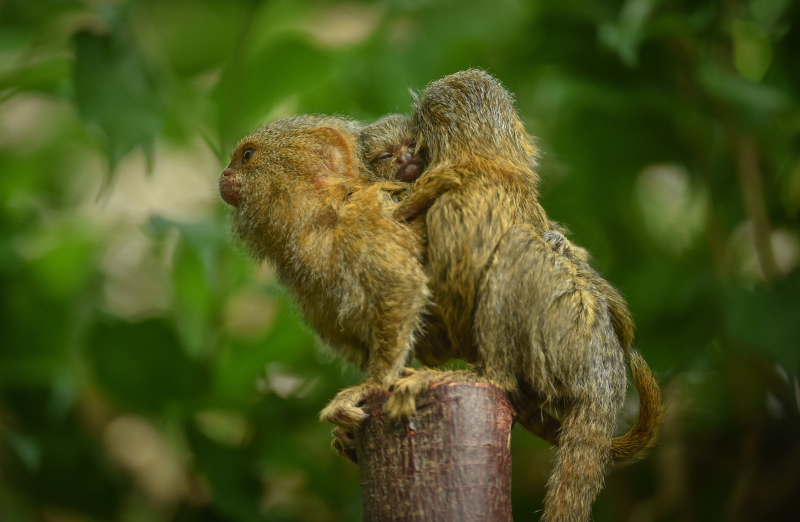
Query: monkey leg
{"x": 535, "y": 318}
{"x": 531, "y": 415}
{"x": 382, "y": 296}
{"x": 388, "y": 293}
{"x": 527, "y": 403}
{"x": 540, "y": 322}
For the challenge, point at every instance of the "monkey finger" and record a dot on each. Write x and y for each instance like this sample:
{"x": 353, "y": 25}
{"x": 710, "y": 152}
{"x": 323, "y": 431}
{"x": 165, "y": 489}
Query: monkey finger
{"x": 346, "y": 452}
{"x": 405, "y": 372}
{"x": 557, "y": 241}
{"x": 344, "y": 444}
{"x": 343, "y": 414}
{"x": 401, "y": 405}
{"x": 346, "y": 437}
{"x": 345, "y": 410}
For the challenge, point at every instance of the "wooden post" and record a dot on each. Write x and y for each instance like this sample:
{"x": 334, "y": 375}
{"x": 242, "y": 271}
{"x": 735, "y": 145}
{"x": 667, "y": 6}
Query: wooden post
{"x": 450, "y": 462}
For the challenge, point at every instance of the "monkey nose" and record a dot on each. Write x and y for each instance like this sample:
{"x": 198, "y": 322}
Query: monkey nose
{"x": 230, "y": 188}
{"x": 409, "y": 172}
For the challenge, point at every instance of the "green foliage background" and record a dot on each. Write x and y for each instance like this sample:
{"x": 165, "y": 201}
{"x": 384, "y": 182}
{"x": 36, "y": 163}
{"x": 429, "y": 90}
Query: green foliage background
{"x": 150, "y": 372}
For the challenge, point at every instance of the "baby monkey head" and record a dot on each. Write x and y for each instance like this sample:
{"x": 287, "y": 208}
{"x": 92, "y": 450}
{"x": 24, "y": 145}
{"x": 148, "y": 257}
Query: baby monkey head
{"x": 470, "y": 114}
{"x": 390, "y": 148}
{"x": 278, "y": 176}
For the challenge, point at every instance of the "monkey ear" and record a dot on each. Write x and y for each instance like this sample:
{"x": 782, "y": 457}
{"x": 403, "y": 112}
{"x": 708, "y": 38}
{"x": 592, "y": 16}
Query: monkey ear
{"x": 333, "y": 150}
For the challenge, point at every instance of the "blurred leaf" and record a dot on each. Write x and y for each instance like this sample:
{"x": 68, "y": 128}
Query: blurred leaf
{"x": 28, "y": 451}
{"x": 227, "y": 428}
{"x": 115, "y": 91}
{"x": 767, "y": 12}
{"x": 64, "y": 262}
{"x": 205, "y": 37}
{"x": 194, "y": 300}
{"x": 752, "y": 50}
{"x": 143, "y": 365}
{"x": 72, "y": 474}
{"x": 49, "y": 75}
{"x": 230, "y": 473}
{"x": 253, "y": 86}
{"x": 768, "y": 317}
{"x": 240, "y": 364}
{"x": 757, "y": 98}
{"x": 625, "y": 36}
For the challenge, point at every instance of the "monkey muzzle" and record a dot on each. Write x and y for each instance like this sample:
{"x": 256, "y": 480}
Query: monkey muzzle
{"x": 230, "y": 188}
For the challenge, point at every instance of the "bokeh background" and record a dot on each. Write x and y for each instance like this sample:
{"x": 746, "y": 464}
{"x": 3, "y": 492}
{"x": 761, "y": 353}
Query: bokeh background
{"x": 149, "y": 371}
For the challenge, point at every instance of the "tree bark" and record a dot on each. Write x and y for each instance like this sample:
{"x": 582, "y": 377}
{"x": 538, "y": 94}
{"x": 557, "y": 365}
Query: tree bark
{"x": 450, "y": 462}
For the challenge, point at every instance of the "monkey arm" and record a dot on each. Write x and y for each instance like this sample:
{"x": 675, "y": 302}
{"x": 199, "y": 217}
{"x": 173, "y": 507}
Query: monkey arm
{"x": 426, "y": 191}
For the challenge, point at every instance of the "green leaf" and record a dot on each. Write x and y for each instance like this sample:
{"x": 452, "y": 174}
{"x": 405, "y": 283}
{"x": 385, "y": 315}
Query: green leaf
{"x": 142, "y": 365}
{"x": 26, "y": 449}
{"x": 756, "y": 97}
{"x": 767, "y": 318}
{"x": 752, "y": 50}
{"x": 250, "y": 89}
{"x": 64, "y": 270}
{"x": 115, "y": 91}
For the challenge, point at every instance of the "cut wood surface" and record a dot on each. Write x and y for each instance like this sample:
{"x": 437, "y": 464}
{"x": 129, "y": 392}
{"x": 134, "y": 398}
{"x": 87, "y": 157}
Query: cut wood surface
{"x": 450, "y": 462}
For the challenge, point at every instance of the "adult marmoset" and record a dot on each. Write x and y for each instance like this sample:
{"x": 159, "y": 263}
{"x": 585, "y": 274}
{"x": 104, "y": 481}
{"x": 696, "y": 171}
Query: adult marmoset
{"x": 303, "y": 203}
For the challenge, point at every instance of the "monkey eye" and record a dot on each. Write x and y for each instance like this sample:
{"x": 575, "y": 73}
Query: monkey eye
{"x": 413, "y": 144}
{"x": 383, "y": 156}
{"x": 248, "y": 153}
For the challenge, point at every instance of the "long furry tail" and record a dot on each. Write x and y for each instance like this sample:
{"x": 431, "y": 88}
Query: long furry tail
{"x": 641, "y": 436}
{"x": 644, "y": 433}
{"x": 585, "y": 444}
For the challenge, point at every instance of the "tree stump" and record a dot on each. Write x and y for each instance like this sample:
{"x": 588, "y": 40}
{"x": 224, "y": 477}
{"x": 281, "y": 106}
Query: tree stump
{"x": 450, "y": 462}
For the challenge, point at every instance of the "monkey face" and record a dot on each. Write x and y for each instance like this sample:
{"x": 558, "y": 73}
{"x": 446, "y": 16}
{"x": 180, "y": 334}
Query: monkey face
{"x": 292, "y": 155}
{"x": 288, "y": 175}
{"x": 401, "y": 162}
{"x": 391, "y": 149}
{"x": 230, "y": 182}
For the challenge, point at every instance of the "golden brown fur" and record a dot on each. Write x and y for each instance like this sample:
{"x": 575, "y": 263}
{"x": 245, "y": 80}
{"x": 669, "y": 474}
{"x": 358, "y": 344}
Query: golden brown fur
{"x": 387, "y": 146}
{"x": 525, "y": 310}
{"x": 390, "y": 149}
{"x": 532, "y": 317}
{"x": 302, "y": 203}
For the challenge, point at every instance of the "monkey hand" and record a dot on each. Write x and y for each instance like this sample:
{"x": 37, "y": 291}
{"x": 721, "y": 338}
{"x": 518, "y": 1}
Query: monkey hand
{"x": 345, "y": 410}
{"x": 557, "y": 241}
{"x": 402, "y": 404}
{"x": 562, "y": 245}
{"x": 425, "y": 191}
{"x": 343, "y": 439}
{"x": 344, "y": 444}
